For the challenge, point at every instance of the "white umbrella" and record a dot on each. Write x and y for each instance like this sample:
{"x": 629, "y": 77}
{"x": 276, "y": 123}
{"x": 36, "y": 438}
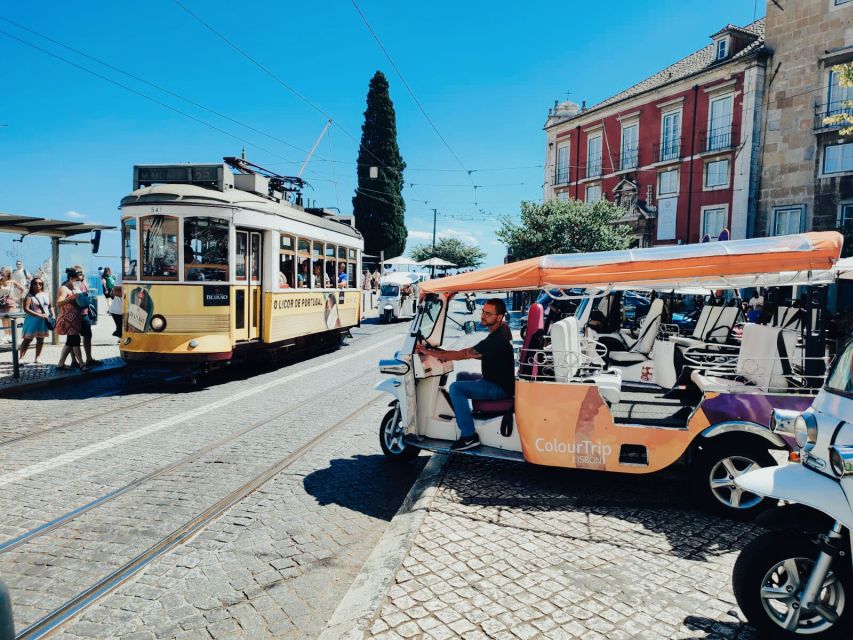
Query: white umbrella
{"x": 436, "y": 262}
{"x": 401, "y": 261}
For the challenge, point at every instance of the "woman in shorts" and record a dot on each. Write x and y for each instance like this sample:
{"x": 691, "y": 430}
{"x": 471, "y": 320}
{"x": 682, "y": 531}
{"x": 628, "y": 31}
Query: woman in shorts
{"x": 70, "y": 320}
{"x": 37, "y": 308}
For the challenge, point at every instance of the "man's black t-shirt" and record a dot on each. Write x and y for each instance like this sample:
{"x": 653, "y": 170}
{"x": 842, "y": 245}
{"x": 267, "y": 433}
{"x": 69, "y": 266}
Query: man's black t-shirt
{"x": 498, "y": 362}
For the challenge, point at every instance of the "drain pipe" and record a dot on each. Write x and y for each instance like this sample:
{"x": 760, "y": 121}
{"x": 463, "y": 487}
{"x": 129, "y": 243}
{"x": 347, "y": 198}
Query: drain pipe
{"x": 692, "y": 150}
{"x": 577, "y": 159}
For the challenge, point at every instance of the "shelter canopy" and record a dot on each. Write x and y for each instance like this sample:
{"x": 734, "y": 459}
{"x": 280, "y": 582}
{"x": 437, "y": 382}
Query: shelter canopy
{"x": 709, "y": 265}
{"x": 29, "y": 226}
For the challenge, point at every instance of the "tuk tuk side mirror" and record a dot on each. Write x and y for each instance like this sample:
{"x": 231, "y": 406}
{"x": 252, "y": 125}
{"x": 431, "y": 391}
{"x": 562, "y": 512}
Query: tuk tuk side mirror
{"x": 469, "y": 326}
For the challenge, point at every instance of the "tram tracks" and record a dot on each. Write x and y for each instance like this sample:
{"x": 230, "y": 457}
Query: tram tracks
{"x": 109, "y": 583}
{"x": 67, "y": 517}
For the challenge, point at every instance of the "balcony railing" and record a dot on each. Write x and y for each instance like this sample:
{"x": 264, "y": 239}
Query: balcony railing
{"x": 593, "y": 165}
{"x": 561, "y": 175}
{"x": 719, "y": 138}
{"x": 669, "y": 150}
{"x": 822, "y": 111}
{"x": 629, "y": 158}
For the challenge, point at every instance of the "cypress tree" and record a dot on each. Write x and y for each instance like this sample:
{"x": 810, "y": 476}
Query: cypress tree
{"x": 378, "y": 203}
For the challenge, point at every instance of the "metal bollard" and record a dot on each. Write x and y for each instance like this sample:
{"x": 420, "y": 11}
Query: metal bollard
{"x": 7, "y": 623}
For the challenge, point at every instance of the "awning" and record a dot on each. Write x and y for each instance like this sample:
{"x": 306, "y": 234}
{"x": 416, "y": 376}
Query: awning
{"x": 710, "y": 264}
{"x": 29, "y": 226}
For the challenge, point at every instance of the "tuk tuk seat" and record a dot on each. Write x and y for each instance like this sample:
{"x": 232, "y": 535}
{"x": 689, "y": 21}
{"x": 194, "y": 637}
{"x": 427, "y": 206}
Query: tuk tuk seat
{"x": 641, "y": 349}
{"x": 533, "y": 342}
{"x": 493, "y": 407}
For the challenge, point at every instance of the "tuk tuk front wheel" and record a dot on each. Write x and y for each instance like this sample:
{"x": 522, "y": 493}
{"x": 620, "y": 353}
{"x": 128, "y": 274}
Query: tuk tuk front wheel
{"x": 391, "y": 433}
{"x": 768, "y": 579}
{"x": 713, "y": 476}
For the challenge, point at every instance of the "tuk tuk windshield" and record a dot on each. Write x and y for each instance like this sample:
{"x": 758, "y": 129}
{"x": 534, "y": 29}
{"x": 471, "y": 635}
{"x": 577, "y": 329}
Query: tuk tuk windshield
{"x": 430, "y": 311}
{"x": 389, "y": 290}
{"x": 841, "y": 378}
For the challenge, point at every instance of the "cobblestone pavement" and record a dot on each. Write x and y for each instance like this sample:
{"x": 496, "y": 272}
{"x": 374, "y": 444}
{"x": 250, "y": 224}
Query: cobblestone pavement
{"x": 515, "y": 551}
{"x": 286, "y": 551}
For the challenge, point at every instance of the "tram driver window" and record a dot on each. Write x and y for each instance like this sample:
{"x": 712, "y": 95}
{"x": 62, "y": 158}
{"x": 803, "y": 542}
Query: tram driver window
{"x": 351, "y": 267}
{"x": 206, "y": 249}
{"x": 130, "y": 245}
{"x": 159, "y": 247}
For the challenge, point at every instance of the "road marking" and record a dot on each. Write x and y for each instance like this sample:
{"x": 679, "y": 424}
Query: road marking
{"x": 77, "y": 454}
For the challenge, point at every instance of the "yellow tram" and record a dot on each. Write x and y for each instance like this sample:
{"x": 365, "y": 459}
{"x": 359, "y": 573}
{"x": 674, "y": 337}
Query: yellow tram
{"x": 221, "y": 262}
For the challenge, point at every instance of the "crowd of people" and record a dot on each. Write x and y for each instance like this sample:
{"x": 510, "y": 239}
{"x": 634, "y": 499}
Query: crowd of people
{"x": 75, "y": 313}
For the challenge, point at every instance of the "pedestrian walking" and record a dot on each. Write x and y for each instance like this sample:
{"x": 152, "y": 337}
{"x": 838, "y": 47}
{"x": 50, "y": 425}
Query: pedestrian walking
{"x": 69, "y": 323}
{"x": 108, "y": 282}
{"x": 116, "y": 310}
{"x": 22, "y": 277}
{"x": 39, "y": 321}
{"x": 365, "y": 280}
{"x": 376, "y": 279}
{"x": 10, "y": 294}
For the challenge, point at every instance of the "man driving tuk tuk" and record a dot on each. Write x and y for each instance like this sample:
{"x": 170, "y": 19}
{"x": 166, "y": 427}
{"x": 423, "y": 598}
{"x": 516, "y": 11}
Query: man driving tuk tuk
{"x": 497, "y": 380}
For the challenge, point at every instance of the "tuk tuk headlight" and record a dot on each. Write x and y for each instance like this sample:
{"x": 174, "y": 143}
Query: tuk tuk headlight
{"x": 841, "y": 460}
{"x": 805, "y": 430}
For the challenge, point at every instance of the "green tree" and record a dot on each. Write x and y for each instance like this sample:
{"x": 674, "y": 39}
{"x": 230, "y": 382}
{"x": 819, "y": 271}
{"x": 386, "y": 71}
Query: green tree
{"x": 845, "y": 79}
{"x": 462, "y": 254}
{"x": 569, "y": 226}
{"x": 378, "y": 202}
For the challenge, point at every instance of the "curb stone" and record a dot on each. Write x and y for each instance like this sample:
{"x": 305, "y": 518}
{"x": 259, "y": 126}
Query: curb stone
{"x": 12, "y": 388}
{"x": 360, "y": 604}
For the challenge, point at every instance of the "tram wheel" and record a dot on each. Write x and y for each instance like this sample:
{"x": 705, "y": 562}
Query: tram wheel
{"x": 391, "y": 439}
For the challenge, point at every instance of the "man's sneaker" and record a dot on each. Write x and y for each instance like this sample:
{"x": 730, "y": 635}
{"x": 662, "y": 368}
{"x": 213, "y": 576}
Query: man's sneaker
{"x": 466, "y": 442}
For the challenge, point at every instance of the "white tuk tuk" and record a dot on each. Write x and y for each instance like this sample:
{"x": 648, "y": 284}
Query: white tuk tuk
{"x": 398, "y": 296}
{"x": 579, "y": 404}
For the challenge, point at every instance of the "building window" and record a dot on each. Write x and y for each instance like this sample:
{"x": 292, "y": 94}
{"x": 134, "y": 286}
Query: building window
{"x": 630, "y": 142}
{"x": 593, "y": 156}
{"x": 713, "y": 222}
{"x": 563, "y": 196}
{"x": 837, "y": 96}
{"x": 838, "y": 158}
{"x": 593, "y": 193}
{"x": 720, "y": 124}
{"x": 670, "y": 136}
{"x": 716, "y": 174}
{"x": 721, "y": 49}
{"x": 562, "y": 173}
{"x": 787, "y": 220}
{"x": 668, "y": 182}
{"x": 845, "y": 214}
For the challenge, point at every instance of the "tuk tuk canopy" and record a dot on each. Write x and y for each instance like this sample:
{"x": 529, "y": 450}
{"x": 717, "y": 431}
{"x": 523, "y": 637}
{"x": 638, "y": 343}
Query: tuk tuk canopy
{"x": 709, "y": 265}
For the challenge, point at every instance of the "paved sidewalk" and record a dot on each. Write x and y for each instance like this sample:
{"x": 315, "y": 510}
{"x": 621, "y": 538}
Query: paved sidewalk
{"x": 104, "y": 348}
{"x": 515, "y": 551}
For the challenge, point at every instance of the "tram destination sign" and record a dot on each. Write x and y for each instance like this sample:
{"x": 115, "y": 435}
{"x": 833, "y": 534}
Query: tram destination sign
{"x": 200, "y": 174}
{"x": 217, "y": 295}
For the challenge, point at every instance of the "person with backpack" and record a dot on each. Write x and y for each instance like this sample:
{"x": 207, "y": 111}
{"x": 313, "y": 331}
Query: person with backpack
{"x": 39, "y": 321}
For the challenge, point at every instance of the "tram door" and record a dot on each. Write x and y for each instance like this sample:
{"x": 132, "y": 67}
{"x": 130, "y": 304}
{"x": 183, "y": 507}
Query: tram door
{"x": 248, "y": 301}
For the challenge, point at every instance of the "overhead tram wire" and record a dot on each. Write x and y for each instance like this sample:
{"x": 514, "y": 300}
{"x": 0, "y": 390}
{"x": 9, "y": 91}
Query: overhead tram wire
{"x": 281, "y": 82}
{"x": 145, "y": 96}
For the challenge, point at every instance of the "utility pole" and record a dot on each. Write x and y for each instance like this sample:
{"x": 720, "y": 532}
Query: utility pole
{"x": 434, "y": 216}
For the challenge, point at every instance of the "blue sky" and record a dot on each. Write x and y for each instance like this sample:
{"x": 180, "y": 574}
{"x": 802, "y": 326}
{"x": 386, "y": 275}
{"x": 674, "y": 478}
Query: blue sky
{"x": 486, "y": 73}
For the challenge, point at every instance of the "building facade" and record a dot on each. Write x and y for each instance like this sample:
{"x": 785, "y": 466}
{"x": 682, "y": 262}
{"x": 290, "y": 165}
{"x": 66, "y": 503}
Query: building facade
{"x": 678, "y": 150}
{"x": 806, "y": 166}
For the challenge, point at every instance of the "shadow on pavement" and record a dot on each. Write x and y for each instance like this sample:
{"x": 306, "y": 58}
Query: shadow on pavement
{"x": 715, "y": 629}
{"x": 656, "y": 503}
{"x": 368, "y": 484}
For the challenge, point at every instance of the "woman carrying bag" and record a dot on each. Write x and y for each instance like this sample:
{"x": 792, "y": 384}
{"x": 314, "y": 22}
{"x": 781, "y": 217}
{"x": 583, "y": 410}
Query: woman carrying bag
{"x": 39, "y": 321}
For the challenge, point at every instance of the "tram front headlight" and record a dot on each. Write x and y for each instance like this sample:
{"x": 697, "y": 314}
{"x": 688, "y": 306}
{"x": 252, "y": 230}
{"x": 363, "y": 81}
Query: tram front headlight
{"x": 158, "y": 323}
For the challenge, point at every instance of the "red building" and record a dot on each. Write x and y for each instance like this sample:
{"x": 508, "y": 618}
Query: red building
{"x": 678, "y": 150}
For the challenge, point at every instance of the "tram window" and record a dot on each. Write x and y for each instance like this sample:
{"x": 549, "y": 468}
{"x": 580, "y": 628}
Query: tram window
{"x": 206, "y": 249}
{"x": 286, "y": 263}
{"x": 285, "y": 271}
{"x": 352, "y": 254}
{"x": 256, "y": 257}
{"x": 351, "y": 283}
{"x": 342, "y": 253}
{"x": 318, "y": 273}
{"x": 129, "y": 244}
{"x": 303, "y": 274}
{"x": 242, "y": 251}
{"x": 159, "y": 247}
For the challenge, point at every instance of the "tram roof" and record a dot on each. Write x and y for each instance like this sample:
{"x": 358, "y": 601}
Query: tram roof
{"x": 200, "y": 196}
{"x": 798, "y": 258}
{"x": 32, "y": 226}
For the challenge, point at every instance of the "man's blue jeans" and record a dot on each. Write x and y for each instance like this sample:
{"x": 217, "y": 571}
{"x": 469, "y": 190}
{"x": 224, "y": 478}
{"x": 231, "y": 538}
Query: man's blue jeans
{"x": 471, "y": 386}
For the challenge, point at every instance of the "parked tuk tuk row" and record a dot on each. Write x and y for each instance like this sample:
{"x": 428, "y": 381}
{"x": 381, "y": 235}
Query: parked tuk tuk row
{"x": 718, "y": 400}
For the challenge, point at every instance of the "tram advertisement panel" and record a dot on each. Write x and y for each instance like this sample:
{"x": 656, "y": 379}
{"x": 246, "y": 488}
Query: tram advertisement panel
{"x": 296, "y": 313}
{"x": 193, "y": 310}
